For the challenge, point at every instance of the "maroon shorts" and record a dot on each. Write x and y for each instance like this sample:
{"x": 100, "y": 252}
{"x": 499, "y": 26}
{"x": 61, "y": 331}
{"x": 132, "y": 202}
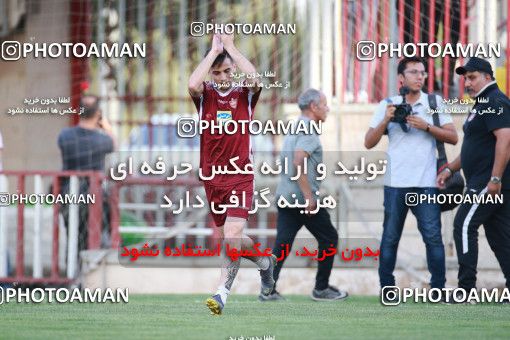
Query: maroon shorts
{"x": 221, "y": 195}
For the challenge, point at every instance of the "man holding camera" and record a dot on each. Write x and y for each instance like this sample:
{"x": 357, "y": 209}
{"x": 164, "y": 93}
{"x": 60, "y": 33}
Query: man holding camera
{"x": 484, "y": 159}
{"x": 412, "y": 168}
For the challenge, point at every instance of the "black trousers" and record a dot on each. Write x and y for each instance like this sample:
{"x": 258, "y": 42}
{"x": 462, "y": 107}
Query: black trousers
{"x": 289, "y": 221}
{"x": 496, "y": 221}
{"x": 83, "y": 223}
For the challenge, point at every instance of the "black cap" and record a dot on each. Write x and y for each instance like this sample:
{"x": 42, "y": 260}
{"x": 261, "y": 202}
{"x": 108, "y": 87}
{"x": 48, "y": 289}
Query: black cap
{"x": 475, "y": 64}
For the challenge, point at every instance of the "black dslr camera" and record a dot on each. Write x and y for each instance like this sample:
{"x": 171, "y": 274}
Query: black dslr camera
{"x": 402, "y": 110}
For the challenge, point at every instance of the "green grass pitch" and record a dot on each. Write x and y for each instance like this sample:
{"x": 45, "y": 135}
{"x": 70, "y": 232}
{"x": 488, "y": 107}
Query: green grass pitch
{"x": 187, "y": 317}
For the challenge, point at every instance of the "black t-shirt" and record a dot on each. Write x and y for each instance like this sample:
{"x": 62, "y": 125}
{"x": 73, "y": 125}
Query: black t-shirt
{"x": 479, "y": 145}
{"x": 83, "y": 149}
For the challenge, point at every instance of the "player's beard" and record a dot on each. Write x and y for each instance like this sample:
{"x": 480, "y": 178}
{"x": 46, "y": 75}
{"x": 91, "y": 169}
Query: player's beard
{"x": 471, "y": 93}
{"x": 413, "y": 91}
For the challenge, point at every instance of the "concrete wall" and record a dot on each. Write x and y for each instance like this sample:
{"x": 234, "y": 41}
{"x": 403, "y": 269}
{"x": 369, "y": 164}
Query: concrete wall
{"x": 30, "y": 140}
{"x": 146, "y": 280}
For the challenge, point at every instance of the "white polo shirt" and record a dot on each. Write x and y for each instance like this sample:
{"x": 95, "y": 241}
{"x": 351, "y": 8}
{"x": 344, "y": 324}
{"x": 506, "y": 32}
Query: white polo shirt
{"x": 412, "y": 156}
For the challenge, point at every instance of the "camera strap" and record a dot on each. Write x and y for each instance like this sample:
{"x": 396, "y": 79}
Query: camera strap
{"x": 441, "y": 153}
{"x": 404, "y": 127}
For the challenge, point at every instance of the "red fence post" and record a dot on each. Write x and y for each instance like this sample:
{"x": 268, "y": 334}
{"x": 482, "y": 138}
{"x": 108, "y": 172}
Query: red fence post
{"x": 345, "y": 59}
{"x": 432, "y": 38}
{"x": 462, "y": 34}
{"x": 401, "y": 21}
{"x": 95, "y": 213}
{"x": 370, "y": 38}
{"x": 80, "y": 32}
{"x": 446, "y": 40}
{"x": 416, "y": 28}
{"x": 357, "y": 65}
{"x": 115, "y": 216}
{"x": 385, "y": 60}
{"x": 20, "y": 249}
{"x": 56, "y": 210}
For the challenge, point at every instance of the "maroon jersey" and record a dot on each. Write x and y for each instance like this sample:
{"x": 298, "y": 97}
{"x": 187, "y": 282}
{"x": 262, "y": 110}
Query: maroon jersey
{"x": 238, "y": 103}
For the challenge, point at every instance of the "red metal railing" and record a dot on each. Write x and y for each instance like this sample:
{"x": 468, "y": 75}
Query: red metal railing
{"x": 94, "y": 222}
{"x": 353, "y": 17}
{"x": 115, "y": 187}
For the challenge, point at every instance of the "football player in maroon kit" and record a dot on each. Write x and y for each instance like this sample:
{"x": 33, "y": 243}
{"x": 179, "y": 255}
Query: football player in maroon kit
{"x": 219, "y": 101}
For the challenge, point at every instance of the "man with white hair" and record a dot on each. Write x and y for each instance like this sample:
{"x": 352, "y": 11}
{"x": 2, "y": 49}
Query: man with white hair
{"x": 298, "y": 149}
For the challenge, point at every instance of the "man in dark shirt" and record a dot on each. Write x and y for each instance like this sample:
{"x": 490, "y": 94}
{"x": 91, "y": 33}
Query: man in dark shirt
{"x": 84, "y": 147}
{"x": 484, "y": 160}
